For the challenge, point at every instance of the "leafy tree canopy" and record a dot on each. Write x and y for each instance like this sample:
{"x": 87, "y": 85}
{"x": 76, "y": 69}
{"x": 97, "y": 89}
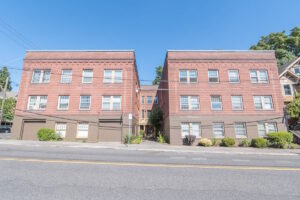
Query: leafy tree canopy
{"x": 157, "y": 79}
{"x": 156, "y": 118}
{"x": 287, "y": 47}
{"x": 293, "y": 108}
{"x": 9, "y": 109}
{"x": 4, "y": 73}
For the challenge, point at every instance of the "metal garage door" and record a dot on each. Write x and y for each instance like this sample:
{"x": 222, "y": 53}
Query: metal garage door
{"x": 30, "y": 129}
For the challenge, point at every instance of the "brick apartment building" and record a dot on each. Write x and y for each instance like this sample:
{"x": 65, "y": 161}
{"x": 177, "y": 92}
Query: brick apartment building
{"x": 88, "y": 95}
{"x": 220, "y": 94}
{"x": 83, "y": 95}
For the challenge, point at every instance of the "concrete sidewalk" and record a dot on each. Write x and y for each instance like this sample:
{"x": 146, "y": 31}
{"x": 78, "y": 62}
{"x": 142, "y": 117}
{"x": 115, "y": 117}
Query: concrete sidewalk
{"x": 156, "y": 147}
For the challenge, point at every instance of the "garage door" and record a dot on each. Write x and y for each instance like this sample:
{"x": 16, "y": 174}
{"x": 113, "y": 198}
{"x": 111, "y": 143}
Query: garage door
{"x": 110, "y": 132}
{"x": 31, "y": 128}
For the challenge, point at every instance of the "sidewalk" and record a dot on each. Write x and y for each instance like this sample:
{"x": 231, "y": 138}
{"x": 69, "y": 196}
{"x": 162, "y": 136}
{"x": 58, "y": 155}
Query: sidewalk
{"x": 156, "y": 147}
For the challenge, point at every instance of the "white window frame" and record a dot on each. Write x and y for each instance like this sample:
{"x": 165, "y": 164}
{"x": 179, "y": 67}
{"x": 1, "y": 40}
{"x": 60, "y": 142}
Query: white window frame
{"x": 211, "y": 70}
{"x": 290, "y": 86}
{"x": 258, "y": 76}
{"x": 61, "y": 132}
{"x": 79, "y": 128}
{"x": 85, "y": 76}
{"x": 237, "y": 135}
{"x": 238, "y": 76}
{"x": 262, "y": 101}
{"x": 111, "y": 102}
{"x": 59, "y": 102}
{"x": 65, "y": 77}
{"x": 222, "y": 127}
{"x": 37, "y": 103}
{"x": 298, "y": 68}
{"x": 241, "y": 102}
{"x": 41, "y": 77}
{"x": 211, "y": 102}
{"x": 190, "y": 129}
{"x": 112, "y": 79}
{"x": 265, "y": 126}
{"x": 90, "y": 98}
{"x": 188, "y": 76}
{"x": 190, "y": 102}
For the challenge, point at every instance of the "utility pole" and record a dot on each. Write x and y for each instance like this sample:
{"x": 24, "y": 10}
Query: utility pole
{"x": 3, "y": 99}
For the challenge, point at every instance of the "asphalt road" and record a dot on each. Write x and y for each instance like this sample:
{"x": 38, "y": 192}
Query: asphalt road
{"x": 37, "y": 172}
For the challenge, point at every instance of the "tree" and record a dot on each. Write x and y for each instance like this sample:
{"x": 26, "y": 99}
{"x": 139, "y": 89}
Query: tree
{"x": 157, "y": 79}
{"x": 155, "y": 119}
{"x": 287, "y": 47}
{"x": 4, "y": 73}
{"x": 9, "y": 109}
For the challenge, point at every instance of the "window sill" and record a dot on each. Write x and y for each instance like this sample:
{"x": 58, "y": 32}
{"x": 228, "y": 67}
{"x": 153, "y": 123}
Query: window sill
{"x": 62, "y": 109}
{"x": 214, "y": 82}
{"x": 240, "y": 137}
{"x": 219, "y": 137}
{"x": 84, "y": 109}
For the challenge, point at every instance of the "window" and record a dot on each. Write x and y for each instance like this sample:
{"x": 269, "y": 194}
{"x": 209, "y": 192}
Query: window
{"x": 82, "y": 130}
{"x": 233, "y": 76}
{"x": 41, "y": 76}
{"x": 111, "y": 102}
{"x": 213, "y": 76}
{"x": 264, "y": 128}
{"x": 237, "y": 102}
{"x": 189, "y": 103}
{"x": 143, "y": 114}
{"x": 143, "y": 100}
{"x": 218, "y": 129}
{"x": 190, "y": 129}
{"x": 60, "y": 129}
{"x": 149, "y": 99}
{"x": 148, "y": 113}
{"x": 216, "y": 102}
{"x": 85, "y": 102}
{"x": 240, "y": 130}
{"x": 297, "y": 69}
{"x": 66, "y": 76}
{"x": 87, "y": 76}
{"x": 112, "y": 76}
{"x": 263, "y": 102}
{"x": 63, "y": 103}
{"x": 287, "y": 90}
{"x": 155, "y": 100}
{"x": 188, "y": 76}
{"x": 259, "y": 76}
{"x": 37, "y": 103}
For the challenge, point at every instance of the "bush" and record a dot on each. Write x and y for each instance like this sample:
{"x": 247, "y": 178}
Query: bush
{"x": 292, "y": 146}
{"x": 142, "y": 133}
{"x": 205, "y": 142}
{"x": 244, "y": 143}
{"x": 133, "y": 139}
{"x": 216, "y": 142}
{"x": 47, "y": 134}
{"x": 280, "y": 139}
{"x": 259, "y": 142}
{"x": 161, "y": 138}
{"x": 228, "y": 142}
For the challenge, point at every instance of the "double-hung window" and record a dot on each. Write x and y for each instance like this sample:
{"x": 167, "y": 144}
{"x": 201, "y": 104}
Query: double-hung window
{"x": 143, "y": 99}
{"x": 240, "y": 130}
{"x": 85, "y": 102}
{"x": 155, "y": 100}
{"x": 233, "y": 75}
{"x": 189, "y": 103}
{"x": 192, "y": 128}
{"x": 37, "y": 103}
{"x": 263, "y": 102}
{"x": 143, "y": 114}
{"x": 111, "y": 102}
{"x": 213, "y": 76}
{"x": 41, "y": 76}
{"x": 82, "y": 130}
{"x": 87, "y": 76}
{"x": 149, "y": 99}
{"x": 60, "y": 129}
{"x": 287, "y": 90}
{"x": 66, "y": 76}
{"x": 297, "y": 69}
{"x": 63, "y": 103}
{"x": 266, "y": 127}
{"x": 216, "y": 102}
{"x": 112, "y": 76}
{"x": 218, "y": 129}
{"x": 188, "y": 76}
{"x": 237, "y": 102}
{"x": 259, "y": 76}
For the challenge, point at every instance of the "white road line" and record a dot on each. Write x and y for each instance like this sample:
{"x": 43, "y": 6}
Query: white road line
{"x": 177, "y": 158}
{"x": 199, "y": 158}
{"x": 240, "y": 160}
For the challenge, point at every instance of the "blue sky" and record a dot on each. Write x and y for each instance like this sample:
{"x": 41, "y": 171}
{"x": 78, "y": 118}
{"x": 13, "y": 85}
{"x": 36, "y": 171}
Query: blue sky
{"x": 149, "y": 27}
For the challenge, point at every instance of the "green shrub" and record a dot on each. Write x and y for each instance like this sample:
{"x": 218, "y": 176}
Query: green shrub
{"x": 259, "y": 142}
{"x": 216, "y": 142}
{"x": 292, "y": 146}
{"x": 228, "y": 142}
{"x": 133, "y": 139}
{"x": 47, "y": 134}
{"x": 280, "y": 139}
{"x": 161, "y": 138}
{"x": 244, "y": 143}
{"x": 205, "y": 142}
{"x": 142, "y": 133}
